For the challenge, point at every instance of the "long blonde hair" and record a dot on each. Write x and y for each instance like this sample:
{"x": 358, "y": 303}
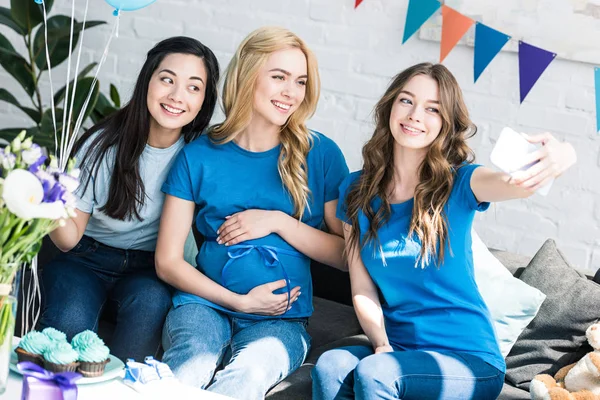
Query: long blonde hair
{"x": 436, "y": 173}
{"x": 238, "y": 100}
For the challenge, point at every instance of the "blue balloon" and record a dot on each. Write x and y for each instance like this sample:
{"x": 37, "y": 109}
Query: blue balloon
{"x": 129, "y": 5}
{"x": 39, "y": 1}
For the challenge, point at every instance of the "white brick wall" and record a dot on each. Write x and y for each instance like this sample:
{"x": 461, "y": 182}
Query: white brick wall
{"x": 359, "y": 50}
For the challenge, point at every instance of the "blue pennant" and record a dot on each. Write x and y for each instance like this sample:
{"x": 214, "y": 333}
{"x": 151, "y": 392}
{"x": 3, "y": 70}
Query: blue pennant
{"x": 418, "y": 12}
{"x": 488, "y": 43}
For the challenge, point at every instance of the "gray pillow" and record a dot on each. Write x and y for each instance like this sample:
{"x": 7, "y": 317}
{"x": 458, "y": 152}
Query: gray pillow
{"x": 556, "y": 336}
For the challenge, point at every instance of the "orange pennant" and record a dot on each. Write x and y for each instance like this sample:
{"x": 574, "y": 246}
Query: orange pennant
{"x": 454, "y": 27}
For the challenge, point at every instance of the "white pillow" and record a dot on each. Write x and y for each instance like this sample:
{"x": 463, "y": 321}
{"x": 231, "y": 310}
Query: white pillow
{"x": 512, "y": 303}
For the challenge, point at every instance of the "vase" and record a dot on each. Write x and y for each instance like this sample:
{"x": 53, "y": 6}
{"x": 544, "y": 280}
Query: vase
{"x": 8, "y": 312}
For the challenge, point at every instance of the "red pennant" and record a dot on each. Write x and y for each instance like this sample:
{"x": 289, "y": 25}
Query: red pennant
{"x": 357, "y": 3}
{"x": 454, "y": 27}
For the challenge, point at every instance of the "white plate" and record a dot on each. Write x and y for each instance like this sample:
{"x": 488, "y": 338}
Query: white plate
{"x": 113, "y": 370}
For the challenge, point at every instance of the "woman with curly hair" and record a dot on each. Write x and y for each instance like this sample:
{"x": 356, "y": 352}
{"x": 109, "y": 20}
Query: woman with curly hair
{"x": 262, "y": 184}
{"x": 407, "y": 223}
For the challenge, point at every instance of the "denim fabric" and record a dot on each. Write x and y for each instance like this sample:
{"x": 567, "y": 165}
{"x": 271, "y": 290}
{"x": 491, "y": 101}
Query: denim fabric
{"x": 355, "y": 372}
{"x": 254, "y": 355}
{"x": 78, "y": 284}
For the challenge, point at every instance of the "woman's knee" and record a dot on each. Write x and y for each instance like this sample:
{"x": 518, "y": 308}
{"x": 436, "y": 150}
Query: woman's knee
{"x": 334, "y": 364}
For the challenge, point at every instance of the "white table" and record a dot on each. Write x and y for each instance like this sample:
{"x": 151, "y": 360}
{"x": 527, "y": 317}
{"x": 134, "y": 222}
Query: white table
{"x": 115, "y": 389}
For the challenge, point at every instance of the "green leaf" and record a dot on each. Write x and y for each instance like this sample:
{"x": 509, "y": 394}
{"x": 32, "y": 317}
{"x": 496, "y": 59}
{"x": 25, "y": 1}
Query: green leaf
{"x": 103, "y": 106}
{"x": 16, "y": 65}
{"x": 7, "y": 19}
{"x": 59, "y": 37}
{"x": 5, "y": 95}
{"x": 61, "y": 92}
{"x": 84, "y": 87}
{"x": 29, "y": 14}
{"x": 114, "y": 96}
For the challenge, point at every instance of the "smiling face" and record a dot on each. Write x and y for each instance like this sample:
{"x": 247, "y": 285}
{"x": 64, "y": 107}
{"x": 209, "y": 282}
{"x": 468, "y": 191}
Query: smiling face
{"x": 176, "y": 91}
{"x": 415, "y": 119}
{"x": 280, "y": 87}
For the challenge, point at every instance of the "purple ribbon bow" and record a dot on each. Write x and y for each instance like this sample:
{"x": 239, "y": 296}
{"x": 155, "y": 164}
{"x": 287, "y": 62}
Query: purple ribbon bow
{"x": 64, "y": 380}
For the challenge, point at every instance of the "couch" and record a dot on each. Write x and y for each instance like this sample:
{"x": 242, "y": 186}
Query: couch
{"x": 552, "y": 339}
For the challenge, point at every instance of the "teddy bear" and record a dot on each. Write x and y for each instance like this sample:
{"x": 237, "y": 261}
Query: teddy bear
{"x": 578, "y": 381}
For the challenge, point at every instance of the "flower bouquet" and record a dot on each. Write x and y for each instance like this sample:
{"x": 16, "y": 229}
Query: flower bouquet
{"x": 35, "y": 198}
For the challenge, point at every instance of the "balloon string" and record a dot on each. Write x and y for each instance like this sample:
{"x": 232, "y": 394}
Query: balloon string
{"x": 87, "y": 100}
{"x": 52, "y": 107}
{"x": 64, "y": 157}
{"x": 62, "y": 154}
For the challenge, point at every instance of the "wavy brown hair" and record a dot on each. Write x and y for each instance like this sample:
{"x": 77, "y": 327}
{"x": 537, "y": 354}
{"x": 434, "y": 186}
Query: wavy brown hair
{"x": 436, "y": 173}
{"x": 238, "y": 100}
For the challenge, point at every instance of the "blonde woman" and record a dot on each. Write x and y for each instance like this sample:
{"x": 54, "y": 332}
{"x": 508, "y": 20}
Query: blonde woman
{"x": 263, "y": 185}
{"x": 408, "y": 217}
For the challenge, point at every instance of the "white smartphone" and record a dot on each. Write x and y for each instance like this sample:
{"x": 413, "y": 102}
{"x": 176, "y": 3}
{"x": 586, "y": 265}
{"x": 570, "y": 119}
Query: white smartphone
{"x": 510, "y": 151}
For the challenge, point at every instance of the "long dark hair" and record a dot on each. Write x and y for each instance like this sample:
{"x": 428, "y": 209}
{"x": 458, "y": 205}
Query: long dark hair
{"x": 126, "y": 131}
{"x": 436, "y": 173}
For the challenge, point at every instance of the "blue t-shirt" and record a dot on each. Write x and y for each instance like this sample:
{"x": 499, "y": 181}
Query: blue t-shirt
{"x": 437, "y": 309}
{"x": 224, "y": 179}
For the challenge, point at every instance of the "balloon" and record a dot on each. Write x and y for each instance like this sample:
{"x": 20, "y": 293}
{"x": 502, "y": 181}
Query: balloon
{"x": 129, "y": 5}
{"x": 39, "y": 1}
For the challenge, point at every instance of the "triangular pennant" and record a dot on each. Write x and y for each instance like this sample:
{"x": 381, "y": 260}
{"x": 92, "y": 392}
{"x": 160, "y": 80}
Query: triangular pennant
{"x": 454, "y": 27}
{"x": 533, "y": 61}
{"x": 598, "y": 99}
{"x": 357, "y": 3}
{"x": 418, "y": 12}
{"x": 488, "y": 43}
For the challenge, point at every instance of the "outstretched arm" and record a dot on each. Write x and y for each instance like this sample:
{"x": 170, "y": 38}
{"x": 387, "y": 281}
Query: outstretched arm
{"x": 175, "y": 225}
{"x": 365, "y": 299}
{"x": 324, "y": 247}
{"x": 552, "y": 159}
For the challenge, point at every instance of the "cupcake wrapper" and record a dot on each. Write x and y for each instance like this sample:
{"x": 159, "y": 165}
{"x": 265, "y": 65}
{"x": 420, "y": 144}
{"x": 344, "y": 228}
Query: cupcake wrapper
{"x": 92, "y": 369}
{"x": 23, "y": 355}
{"x": 52, "y": 367}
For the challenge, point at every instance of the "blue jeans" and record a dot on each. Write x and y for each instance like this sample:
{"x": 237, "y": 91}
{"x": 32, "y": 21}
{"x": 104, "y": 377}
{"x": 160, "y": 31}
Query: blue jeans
{"x": 78, "y": 284}
{"x": 255, "y": 354}
{"x": 355, "y": 372}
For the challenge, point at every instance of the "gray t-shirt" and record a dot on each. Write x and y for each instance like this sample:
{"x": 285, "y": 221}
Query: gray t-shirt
{"x": 128, "y": 234}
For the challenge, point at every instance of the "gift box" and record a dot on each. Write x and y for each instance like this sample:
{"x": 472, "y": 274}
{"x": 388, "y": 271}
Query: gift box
{"x": 39, "y": 384}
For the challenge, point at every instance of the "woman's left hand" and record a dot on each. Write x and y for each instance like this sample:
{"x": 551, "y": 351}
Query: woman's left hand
{"x": 552, "y": 159}
{"x": 247, "y": 225}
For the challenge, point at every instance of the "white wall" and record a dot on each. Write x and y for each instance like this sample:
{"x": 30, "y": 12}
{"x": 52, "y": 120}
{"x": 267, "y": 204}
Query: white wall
{"x": 358, "y": 51}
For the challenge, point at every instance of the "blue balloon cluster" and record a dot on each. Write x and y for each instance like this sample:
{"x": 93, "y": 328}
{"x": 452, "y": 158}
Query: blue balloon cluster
{"x": 127, "y": 5}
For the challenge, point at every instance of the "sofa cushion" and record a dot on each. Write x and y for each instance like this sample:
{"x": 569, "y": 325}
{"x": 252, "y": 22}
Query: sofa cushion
{"x": 512, "y": 303}
{"x": 512, "y": 393}
{"x": 331, "y": 321}
{"x": 556, "y": 336}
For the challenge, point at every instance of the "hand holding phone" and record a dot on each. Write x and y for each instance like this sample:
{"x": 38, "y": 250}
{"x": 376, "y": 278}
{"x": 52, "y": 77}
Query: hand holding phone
{"x": 510, "y": 152}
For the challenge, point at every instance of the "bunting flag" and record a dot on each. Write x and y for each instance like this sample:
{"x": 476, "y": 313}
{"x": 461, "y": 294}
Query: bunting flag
{"x": 533, "y": 61}
{"x": 357, "y": 3}
{"x": 454, "y": 27}
{"x": 418, "y": 12}
{"x": 597, "y": 69}
{"x": 488, "y": 43}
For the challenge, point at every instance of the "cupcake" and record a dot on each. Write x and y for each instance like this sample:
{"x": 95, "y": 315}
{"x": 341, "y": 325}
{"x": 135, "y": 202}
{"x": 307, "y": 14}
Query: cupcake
{"x": 61, "y": 357}
{"x": 32, "y": 346}
{"x": 93, "y": 354}
{"x": 55, "y": 335}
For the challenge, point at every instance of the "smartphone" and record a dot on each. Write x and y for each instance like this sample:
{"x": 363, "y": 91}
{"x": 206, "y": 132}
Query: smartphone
{"x": 510, "y": 151}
